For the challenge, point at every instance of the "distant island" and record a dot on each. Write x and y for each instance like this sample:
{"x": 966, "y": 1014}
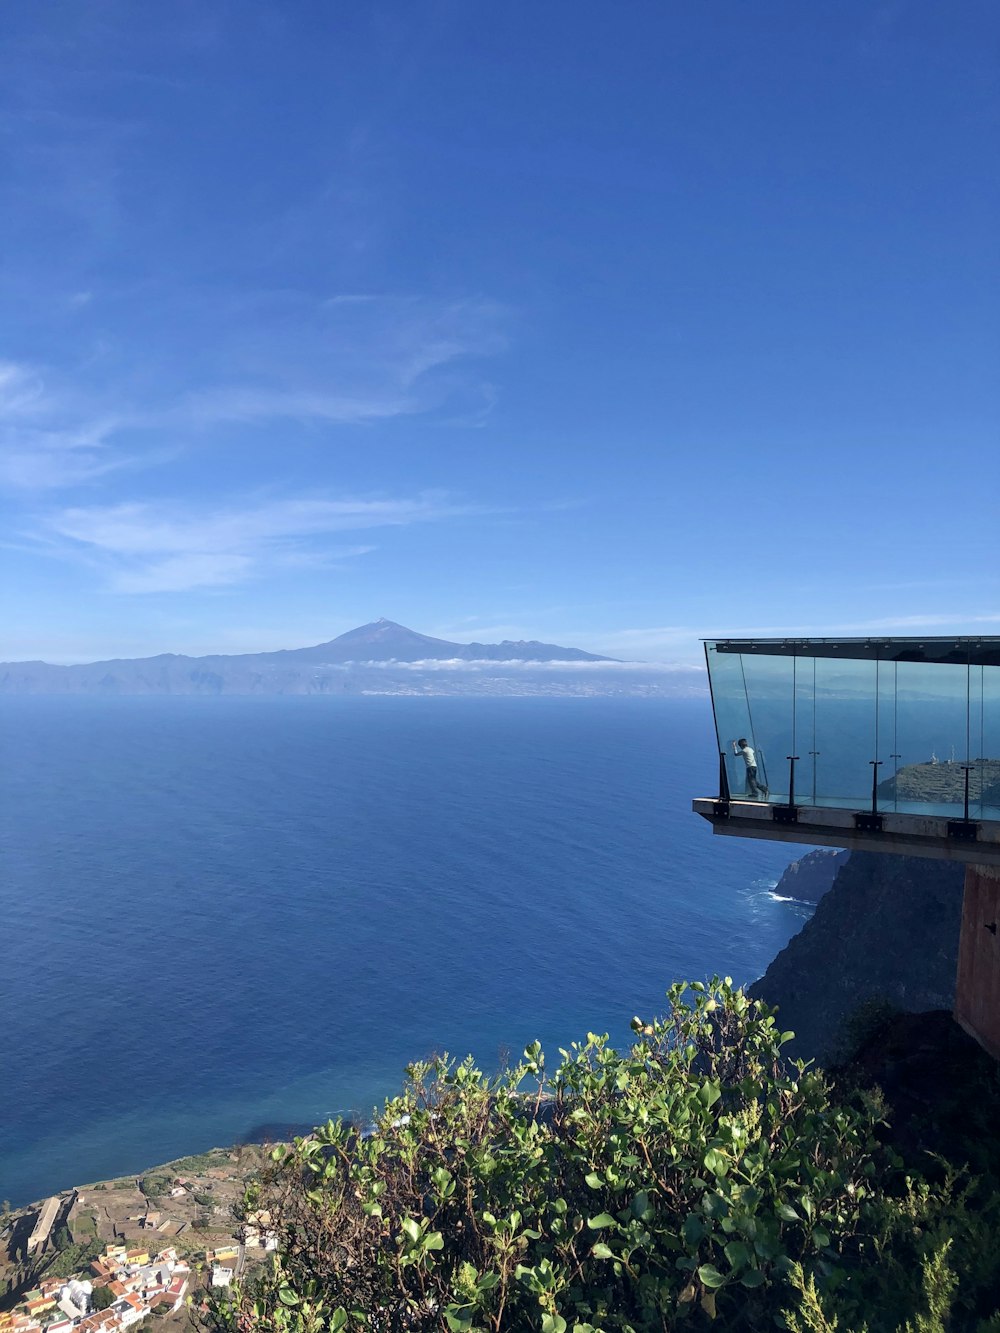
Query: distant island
{"x": 382, "y": 657}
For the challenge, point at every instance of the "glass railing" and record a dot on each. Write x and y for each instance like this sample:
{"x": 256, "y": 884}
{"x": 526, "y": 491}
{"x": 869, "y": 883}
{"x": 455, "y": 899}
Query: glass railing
{"x": 900, "y": 726}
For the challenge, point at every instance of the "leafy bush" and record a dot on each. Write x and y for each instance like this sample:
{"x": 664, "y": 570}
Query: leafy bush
{"x": 698, "y": 1177}
{"x": 102, "y": 1297}
{"x": 867, "y": 1021}
{"x": 191, "y": 1166}
{"x": 73, "y": 1259}
{"x": 61, "y": 1238}
{"x": 154, "y": 1187}
{"x": 690, "y": 1177}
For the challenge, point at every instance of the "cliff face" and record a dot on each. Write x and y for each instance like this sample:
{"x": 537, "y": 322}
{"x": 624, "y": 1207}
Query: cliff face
{"x": 808, "y": 879}
{"x": 888, "y": 929}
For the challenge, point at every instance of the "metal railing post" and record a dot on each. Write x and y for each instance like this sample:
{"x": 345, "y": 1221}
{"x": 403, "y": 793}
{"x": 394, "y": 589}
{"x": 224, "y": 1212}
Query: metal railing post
{"x": 876, "y": 765}
{"x": 791, "y": 777}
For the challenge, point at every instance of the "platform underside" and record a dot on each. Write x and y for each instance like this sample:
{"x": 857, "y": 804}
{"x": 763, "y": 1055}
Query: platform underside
{"x": 972, "y": 842}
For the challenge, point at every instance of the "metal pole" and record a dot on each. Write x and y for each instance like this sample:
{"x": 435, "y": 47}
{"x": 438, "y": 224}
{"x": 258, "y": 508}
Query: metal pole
{"x": 791, "y": 777}
{"x": 876, "y": 765}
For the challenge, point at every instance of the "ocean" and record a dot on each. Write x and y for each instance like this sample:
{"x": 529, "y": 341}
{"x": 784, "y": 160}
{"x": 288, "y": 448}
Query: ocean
{"x": 227, "y": 916}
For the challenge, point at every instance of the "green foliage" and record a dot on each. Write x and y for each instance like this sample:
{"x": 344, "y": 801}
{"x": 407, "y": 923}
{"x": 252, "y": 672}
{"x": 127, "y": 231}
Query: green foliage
{"x": 862, "y": 1024}
{"x": 61, "y": 1238}
{"x": 205, "y": 1200}
{"x": 938, "y": 1286}
{"x": 681, "y": 1181}
{"x": 698, "y": 1177}
{"x": 102, "y": 1297}
{"x": 936, "y": 1265}
{"x": 191, "y": 1166}
{"x": 155, "y": 1186}
{"x": 73, "y": 1259}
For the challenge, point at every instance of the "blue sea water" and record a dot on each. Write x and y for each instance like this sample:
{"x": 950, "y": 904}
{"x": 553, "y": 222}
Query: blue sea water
{"x": 222, "y": 913}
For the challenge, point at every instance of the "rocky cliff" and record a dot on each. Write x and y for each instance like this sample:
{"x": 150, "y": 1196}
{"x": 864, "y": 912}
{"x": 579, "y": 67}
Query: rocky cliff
{"x": 944, "y": 783}
{"x": 888, "y": 929}
{"x": 807, "y": 879}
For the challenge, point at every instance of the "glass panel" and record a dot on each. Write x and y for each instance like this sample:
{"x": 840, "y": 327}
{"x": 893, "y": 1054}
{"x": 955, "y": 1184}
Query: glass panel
{"x": 845, "y": 732}
{"x": 976, "y": 766}
{"x": 989, "y": 746}
{"x": 933, "y": 738}
{"x": 806, "y": 768}
{"x": 915, "y": 728}
{"x": 770, "y": 683}
{"x": 886, "y": 751}
{"x": 732, "y": 712}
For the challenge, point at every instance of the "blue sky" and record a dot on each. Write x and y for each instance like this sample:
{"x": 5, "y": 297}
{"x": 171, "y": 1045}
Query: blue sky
{"x": 612, "y": 325}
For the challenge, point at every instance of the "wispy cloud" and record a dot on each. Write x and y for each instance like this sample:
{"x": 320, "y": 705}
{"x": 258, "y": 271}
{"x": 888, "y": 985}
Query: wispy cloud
{"x": 145, "y": 548}
{"x": 260, "y": 360}
{"x": 46, "y": 440}
{"x": 345, "y": 359}
{"x": 249, "y": 403}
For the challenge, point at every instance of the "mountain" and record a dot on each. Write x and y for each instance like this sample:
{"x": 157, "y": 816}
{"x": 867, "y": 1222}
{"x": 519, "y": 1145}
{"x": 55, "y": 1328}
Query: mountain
{"x": 380, "y": 658}
{"x": 385, "y": 641}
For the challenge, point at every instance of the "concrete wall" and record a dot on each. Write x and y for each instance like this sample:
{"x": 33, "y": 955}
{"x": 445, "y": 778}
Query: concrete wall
{"x": 977, "y": 988}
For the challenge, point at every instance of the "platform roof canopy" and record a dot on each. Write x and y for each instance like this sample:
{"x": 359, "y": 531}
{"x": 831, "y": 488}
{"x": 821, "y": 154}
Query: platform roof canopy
{"x": 972, "y": 651}
{"x": 897, "y": 729}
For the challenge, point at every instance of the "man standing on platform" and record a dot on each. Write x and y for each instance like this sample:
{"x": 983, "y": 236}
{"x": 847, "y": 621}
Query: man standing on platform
{"x": 755, "y": 790}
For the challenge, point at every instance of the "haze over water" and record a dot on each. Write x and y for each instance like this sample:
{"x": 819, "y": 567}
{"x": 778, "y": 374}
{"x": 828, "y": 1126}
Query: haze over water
{"x": 232, "y": 912}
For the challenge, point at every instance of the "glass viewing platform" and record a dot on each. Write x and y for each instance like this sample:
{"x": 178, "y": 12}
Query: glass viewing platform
{"x": 878, "y": 743}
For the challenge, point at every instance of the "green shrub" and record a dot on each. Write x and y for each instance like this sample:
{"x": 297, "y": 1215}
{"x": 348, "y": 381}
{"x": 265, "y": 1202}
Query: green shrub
{"x": 683, "y": 1179}
{"x": 73, "y": 1259}
{"x": 697, "y": 1177}
{"x": 206, "y": 1200}
{"x": 867, "y": 1021}
{"x": 191, "y": 1166}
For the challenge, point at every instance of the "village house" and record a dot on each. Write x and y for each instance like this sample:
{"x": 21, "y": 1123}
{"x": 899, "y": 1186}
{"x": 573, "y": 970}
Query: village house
{"x": 138, "y": 1289}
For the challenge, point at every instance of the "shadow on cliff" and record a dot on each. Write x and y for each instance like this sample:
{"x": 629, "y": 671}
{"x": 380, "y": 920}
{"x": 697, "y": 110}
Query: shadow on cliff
{"x": 887, "y": 931}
